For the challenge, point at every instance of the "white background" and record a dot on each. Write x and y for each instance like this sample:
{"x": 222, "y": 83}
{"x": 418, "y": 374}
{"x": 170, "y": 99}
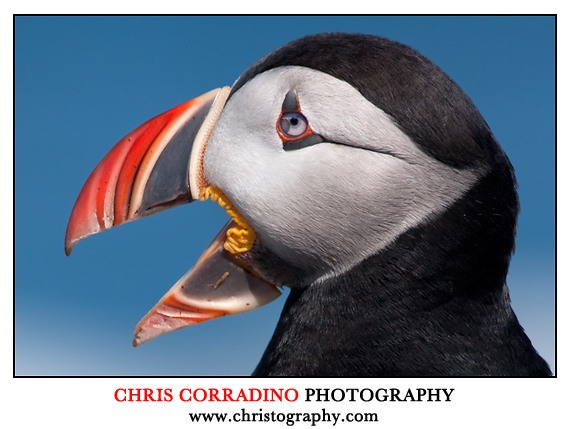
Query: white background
{"x": 89, "y": 402}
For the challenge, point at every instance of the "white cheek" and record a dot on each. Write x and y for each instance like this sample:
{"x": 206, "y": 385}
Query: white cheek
{"x": 321, "y": 213}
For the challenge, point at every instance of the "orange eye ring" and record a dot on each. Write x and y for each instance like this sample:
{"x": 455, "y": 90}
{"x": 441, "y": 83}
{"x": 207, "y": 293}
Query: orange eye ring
{"x": 285, "y": 118}
{"x": 291, "y": 117}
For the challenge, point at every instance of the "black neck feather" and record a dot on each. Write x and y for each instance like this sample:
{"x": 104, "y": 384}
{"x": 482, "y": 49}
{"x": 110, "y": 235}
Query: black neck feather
{"x": 434, "y": 303}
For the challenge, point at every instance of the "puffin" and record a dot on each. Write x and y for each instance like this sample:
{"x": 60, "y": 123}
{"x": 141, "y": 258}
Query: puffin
{"x": 359, "y": 175}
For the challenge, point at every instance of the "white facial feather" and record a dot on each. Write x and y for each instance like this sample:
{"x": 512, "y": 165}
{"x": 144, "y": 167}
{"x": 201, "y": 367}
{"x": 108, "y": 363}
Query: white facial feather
{"x": 328, "y": 206}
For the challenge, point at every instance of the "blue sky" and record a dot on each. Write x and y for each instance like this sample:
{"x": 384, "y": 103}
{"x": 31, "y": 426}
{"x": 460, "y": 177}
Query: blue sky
{"x": 83, "y": 83}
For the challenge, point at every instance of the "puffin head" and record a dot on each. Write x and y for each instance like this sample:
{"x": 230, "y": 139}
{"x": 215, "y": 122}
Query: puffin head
{"x": 334, "y": 145}
{"x": 324, "y": 153}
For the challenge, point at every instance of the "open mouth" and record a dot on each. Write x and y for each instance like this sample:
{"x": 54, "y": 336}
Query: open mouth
{"x": 157, "y": 166}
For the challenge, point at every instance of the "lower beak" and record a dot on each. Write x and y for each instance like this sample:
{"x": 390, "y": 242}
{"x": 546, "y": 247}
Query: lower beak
{"x": 215, "y": 287}
{"x": 157, "y": 166}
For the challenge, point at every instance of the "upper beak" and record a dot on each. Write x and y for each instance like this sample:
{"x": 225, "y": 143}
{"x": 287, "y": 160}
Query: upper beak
{"x": 157, "y": 166}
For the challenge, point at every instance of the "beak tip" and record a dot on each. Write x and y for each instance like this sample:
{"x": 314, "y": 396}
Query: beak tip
{"x": 140, "y": 337}
{"x": 68, "y": 247}
{"x": 71, "y": 239}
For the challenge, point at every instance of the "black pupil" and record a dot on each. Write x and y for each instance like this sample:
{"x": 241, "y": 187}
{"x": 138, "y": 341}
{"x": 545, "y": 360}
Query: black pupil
{"x": 294, "y": 121}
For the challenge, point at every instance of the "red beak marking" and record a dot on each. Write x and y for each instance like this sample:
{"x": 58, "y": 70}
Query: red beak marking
{"x": 113, "y": 193}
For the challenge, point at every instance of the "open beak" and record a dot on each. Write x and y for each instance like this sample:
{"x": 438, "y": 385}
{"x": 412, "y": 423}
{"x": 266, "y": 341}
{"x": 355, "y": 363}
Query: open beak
{"x": 157, "y": 166}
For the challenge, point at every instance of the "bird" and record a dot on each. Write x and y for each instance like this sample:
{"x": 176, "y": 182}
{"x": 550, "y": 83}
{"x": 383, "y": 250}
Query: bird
{"x": 360, "y": 176}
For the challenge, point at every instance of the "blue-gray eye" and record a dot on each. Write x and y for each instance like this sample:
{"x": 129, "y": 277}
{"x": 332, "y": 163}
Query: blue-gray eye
{"x": 293, "y": 124}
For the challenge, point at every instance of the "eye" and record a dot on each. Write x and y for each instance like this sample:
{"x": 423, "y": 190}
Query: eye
{"x": 293, "y": 127}
{"x": 293, "y": 124}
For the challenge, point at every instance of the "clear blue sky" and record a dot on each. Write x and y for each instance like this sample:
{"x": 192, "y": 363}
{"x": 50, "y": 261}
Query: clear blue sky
{"x": 83, "y": 83}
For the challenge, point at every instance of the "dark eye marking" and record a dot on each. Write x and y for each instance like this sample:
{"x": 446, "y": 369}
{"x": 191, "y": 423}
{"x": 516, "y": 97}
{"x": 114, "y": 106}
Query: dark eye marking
{"x": 293, "y": 127}
{"x": 291, "y": 102}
